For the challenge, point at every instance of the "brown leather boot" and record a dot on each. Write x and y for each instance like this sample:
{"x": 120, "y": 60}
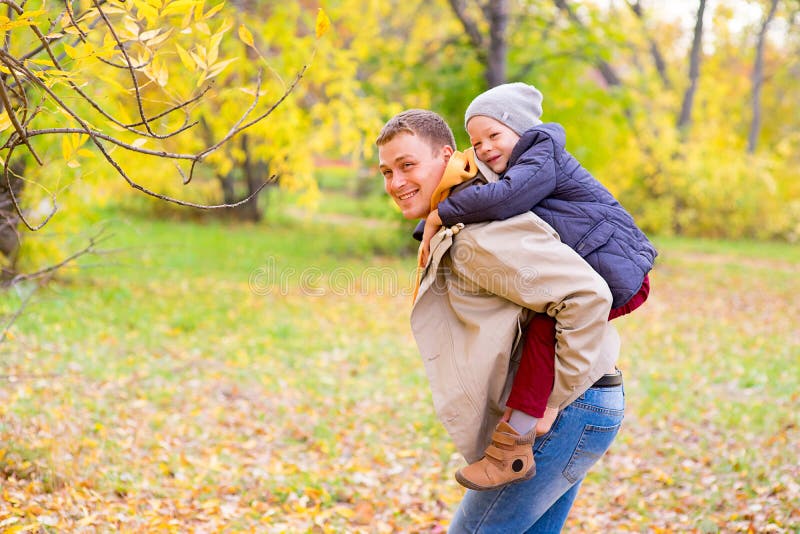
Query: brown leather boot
{"x": 508, "y": 459}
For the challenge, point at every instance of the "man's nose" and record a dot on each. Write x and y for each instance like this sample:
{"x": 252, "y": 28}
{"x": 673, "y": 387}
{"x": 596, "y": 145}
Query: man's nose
{"x": 398, "y": 180}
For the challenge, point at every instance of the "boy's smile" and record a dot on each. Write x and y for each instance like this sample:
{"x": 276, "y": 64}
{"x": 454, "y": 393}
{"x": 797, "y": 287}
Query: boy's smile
{"x": 411, "y": 171}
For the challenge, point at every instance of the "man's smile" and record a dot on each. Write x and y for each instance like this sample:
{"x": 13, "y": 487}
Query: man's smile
{"x": 408, "y": 194}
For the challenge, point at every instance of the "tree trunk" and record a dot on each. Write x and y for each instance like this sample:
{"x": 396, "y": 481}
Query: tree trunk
{"x": 758, "y": 80}
{"x": 685, "y": 119}
{"x": 250, "y": 211}
{"x": 492, "y": 54}
{"x": 228, "y": 191}
{"x": 9, "y": 219}
{"x": 497, "y": 14}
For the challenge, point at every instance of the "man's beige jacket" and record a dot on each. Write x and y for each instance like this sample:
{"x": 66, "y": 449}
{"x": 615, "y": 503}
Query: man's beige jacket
{"x": 477, "y": 291}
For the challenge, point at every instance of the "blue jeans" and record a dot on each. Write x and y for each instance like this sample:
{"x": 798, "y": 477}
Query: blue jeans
{"x": 580, "y": 435}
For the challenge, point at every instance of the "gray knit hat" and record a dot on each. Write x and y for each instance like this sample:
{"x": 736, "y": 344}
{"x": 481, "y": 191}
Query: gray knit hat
{"x": 517, "y": 105}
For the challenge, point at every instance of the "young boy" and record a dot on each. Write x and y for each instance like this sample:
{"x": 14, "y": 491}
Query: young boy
{"x": 539, "y": 175}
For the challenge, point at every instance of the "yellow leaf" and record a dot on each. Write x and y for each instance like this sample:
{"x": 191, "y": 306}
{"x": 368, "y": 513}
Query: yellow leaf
{"x": 179, "y": 7}
{"x": 218, "y": 67}
{"x": 162, "y": 76}
{"x": 246, "y": 36}
{"x": 198, "y": 9}
{"x": 344, "y": 511}
{"x": 203, "y": 28}
{"x": 149, "y": 34}
{"x": 213, "y": 50}
{"x": 323, "y": 23}
{"x": 129, "y": 30}
{"x": 160, "y": 39}
{"x": 214, "y": 10}
{"x": 46, "y": 62}
{"x": 199, "y": 60}
{"x": 32, "y": 14}
{"x": 66, "y": 148}
{"x": 5, "y": 122}
{"x": 186, "y": 59}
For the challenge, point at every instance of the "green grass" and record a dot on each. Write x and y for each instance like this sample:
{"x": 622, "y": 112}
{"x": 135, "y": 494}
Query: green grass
{"x": 257, "y": 377}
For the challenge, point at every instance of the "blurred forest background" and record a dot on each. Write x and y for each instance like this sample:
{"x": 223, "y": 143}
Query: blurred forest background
{"x": 687, "y": 112}
{"x": 165, "y": 160}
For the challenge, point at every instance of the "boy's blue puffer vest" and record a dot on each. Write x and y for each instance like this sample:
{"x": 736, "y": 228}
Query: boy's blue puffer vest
{"x": 543, "y": 177}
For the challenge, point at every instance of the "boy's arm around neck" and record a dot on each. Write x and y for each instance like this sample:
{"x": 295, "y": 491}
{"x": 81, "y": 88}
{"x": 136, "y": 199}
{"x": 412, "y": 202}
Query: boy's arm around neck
{"x": 531, "y": 179}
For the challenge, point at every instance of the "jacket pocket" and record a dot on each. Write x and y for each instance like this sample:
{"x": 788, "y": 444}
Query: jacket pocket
{"x": 595, "y": 238}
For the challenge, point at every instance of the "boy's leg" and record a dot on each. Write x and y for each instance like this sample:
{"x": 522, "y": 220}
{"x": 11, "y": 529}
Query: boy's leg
{"x": 509, "y": 458}
{"x": 533, "y": 382}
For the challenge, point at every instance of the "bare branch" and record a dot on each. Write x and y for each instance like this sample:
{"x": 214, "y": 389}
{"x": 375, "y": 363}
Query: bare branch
{"x": 526, "y": 69}
{"x": 22, "y": 115}
{"x": 177, "y": 107}
{"x": 606, "y": 70}
{"x": 12, "y": 116}
{"x": 45, "y": 46}
{"x": 48, "y": 271}
{"x": 122, "y": 51}
{"x": 14, "y": 317}
{"x": 471, "y": 29}
{"x": 236, "y": 129}
{"x": 89, "y": 249}
{"x": 13, "y": 196}
{"x": 655, "y": 51}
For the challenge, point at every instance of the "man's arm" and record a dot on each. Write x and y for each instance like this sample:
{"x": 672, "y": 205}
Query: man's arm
{"x": 522, "y": 260}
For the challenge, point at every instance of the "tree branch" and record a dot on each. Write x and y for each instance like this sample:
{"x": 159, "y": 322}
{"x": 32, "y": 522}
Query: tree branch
{"x": 606, "y": 70}
{"x": 655, "y": 51}
{"x": 470, "y": 28}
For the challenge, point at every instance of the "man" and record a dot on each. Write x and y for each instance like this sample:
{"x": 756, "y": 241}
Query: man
{"x": 478, "y": 287}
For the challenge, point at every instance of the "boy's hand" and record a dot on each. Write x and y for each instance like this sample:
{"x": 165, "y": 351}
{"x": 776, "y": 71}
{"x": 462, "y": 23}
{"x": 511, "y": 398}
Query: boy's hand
{"x": 544, "y": 424}
{"x": 507, "y": 415}
{"x": 432, "y": 225}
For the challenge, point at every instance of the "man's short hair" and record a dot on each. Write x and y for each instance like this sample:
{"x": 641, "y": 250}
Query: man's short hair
{"x": 430, "y": 126}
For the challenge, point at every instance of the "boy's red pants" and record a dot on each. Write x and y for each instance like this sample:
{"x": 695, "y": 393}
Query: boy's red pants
{"x": 534, "y": 380}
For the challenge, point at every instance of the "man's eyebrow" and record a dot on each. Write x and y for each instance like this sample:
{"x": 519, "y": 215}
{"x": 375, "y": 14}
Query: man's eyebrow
{"x": 398, "y": 158}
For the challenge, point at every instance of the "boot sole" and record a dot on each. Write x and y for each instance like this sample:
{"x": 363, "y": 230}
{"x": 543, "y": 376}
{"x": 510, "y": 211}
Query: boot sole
{"x": 471, "y": 485}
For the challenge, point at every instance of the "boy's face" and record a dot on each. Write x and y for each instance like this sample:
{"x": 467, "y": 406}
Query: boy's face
{"x": 493, "y": 141}
{"x": 411, "y": 171}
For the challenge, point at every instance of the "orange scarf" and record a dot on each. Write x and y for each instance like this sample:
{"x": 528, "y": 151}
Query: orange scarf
{"x": 460, "y": 168}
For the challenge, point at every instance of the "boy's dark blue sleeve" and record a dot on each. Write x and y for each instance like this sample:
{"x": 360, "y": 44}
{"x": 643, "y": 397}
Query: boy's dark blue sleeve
{"x": 419, "y": 230}
{"x": 524, "y": 185}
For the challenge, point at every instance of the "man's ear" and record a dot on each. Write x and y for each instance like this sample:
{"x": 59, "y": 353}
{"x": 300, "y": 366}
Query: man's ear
{"x": 447, "y": 151}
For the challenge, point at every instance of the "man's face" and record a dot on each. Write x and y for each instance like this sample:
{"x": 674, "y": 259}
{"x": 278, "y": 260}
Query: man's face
{"x": 411, "y": 171}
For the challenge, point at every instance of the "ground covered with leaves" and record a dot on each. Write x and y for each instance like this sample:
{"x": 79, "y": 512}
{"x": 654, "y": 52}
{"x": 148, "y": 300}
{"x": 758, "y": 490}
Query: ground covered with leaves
{"x": 264, "y": 378}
